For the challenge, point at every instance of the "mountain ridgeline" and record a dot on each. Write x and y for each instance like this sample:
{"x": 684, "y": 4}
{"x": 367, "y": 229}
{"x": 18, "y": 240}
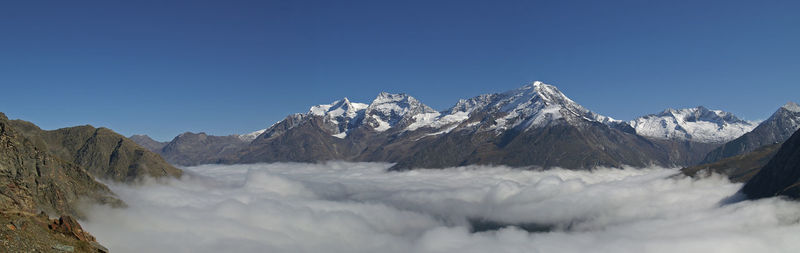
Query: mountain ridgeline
{"x": 54, "y": 173}
{"x": 781, "y": 176}
{"x": 533, "y": 126}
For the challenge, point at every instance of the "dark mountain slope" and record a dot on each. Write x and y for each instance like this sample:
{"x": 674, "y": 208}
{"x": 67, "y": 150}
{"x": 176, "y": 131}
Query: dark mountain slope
{"x": 738, "y": 168}
{"x": 776, "y": 129}
{"x": 561, "y": 145}
{"x": 190, "y": 149}
{"x": 781, "y": 176}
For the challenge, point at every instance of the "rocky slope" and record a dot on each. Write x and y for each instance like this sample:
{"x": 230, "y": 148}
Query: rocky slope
{"x": 781, "y": 176}
{"x": 25, "y": 232}
{"x": 738, "y": 168}
{"x": 100, "y": 151}
{"x": 33, "y": 180}
{"x": 776, "y": 129}
{"x": 53, "y": 173}
{"x": 199, "y": 148}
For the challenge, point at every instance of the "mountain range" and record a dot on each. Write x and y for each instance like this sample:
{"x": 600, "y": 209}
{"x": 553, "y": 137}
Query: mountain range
{"x": 535, "y": 125}
{"x": 49, "y": 173}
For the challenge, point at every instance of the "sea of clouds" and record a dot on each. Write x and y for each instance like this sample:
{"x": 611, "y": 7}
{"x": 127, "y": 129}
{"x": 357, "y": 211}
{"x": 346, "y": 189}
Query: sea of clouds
{"x": 360, "y": 207}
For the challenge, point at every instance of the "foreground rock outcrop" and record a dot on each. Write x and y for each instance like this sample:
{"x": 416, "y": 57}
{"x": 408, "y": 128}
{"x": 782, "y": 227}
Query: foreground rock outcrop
{"x": 26, "y": 232}
{"x": 52, "y": 173}
{"x": 33, "y": 180}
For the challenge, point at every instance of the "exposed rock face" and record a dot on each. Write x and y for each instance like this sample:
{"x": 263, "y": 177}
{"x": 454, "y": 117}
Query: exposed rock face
{"x": 69, "y": 226}
{"x": 53, "y": 172}
{"x": 738, "y": 168}
{"x": 776, "y": 129}
{"x": 32, "y": 179}
{"x": 781, "y": 176}
{"x": 25, "y": 232}
{"x": 102, "y": 152}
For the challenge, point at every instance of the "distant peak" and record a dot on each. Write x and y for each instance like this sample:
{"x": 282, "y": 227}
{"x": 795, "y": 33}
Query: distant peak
{"x": 337, "y": 108}
{"x": 344, "y": 102}
{"x": 791, "y": 106}
{"x": 536, "y": 85}
{"x": 391, "y": 96}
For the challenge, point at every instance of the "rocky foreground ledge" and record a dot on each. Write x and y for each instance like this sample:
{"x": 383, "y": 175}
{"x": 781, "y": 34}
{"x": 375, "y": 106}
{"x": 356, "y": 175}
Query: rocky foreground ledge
{"x": 27, "y": 232}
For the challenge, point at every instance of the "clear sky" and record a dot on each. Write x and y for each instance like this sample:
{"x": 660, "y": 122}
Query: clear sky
{"x": 222, "y": 67}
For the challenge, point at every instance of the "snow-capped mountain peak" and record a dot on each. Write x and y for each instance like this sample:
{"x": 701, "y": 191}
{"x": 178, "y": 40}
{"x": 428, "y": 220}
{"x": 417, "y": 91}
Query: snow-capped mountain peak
{"x": 339, "y": 116}
{"x": 251, "y": 136}
{"x": 534, "y": 105}
{"x": 539, "y": 104}
{"x": 696, "y": 124}
{"x": 388, "y": 110}
{"x": 339, "y": 108}
{"x": 791, "y": 106}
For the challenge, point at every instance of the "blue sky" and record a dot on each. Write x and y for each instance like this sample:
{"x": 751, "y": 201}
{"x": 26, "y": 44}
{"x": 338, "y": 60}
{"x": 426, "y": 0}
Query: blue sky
{"x": 224, "y": 67}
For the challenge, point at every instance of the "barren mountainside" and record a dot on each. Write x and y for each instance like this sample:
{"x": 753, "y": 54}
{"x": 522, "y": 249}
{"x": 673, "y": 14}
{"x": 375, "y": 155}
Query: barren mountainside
{"x": 53, "y": 173}
{"x": 781, "y": 176}
{"x": 102, "y": 152}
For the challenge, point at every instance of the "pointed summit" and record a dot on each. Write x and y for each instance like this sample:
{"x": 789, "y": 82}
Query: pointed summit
{"x": 339, "y": 116}
{"x": 533, "y": 105}
{"x": 539, "y": 104}
{"x": 791, "y": 106}
{"x": 388, "y": 110}
{"x": 339, "y": 108}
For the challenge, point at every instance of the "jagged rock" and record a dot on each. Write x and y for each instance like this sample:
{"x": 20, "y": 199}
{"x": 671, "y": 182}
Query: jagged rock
{"x": 70, "y": 227}
{"x": 31, "y": 233}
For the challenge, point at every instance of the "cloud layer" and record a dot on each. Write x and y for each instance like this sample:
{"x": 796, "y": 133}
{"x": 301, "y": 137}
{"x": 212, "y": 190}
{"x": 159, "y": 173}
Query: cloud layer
{"x": 359, "y": 207}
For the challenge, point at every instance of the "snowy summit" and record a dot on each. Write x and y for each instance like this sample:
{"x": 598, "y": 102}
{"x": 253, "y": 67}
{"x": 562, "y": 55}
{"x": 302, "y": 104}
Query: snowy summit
{"x": 694, "y": 124}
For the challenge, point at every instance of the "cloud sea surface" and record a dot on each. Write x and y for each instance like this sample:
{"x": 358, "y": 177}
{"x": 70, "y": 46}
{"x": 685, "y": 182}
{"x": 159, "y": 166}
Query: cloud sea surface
{"x": 360, "y": 207}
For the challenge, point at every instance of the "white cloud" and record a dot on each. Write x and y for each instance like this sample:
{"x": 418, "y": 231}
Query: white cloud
{"x": 358, "y": 207}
